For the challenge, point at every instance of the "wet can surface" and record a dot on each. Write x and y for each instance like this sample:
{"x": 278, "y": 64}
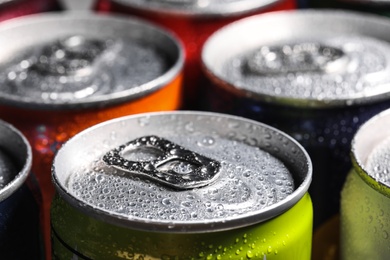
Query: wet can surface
{"x": 15, "y": 8}
{"x": 317, "y": 85}
{"x": 365, "y": 198}
{"x": 182, "y": 185}
{"x": 194, "y": 21}
{"x": 20, "y": 232}
{"x": 81, "y": 70}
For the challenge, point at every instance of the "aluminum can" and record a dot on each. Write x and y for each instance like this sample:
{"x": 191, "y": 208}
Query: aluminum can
{"x": 20, "y": 230}
{"x": 193, "y": 21}
{"x": 15, "y": 8}
{"x": 365, "y": 206}
{"x": 307, "y": 77}
{"x": 80, "y": 70}
{"x": 182, "y": 185}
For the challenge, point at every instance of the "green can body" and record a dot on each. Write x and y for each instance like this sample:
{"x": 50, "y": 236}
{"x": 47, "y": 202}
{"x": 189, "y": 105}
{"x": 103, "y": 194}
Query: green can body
{"x": 365, "y": 197}
{"x": 365, "y": 220}
{"x": 287, "y": 236}
{"x": 181, "y": 201}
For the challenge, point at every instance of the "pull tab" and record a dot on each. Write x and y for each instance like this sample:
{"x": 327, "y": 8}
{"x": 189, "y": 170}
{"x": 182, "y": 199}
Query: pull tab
{"x": 163, "y": 161}
{"x": 304, "y": 57}
{"x": 70, "y": 56}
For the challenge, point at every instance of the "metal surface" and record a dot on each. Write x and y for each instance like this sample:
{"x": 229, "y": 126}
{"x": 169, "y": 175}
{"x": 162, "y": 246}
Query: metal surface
{"x": 16, "y": 146}
{"x": 240, "y": 190}
{"x": 296, "y": 47}
{"x": 50, "y": 68}
{"x": 204, "y": 8}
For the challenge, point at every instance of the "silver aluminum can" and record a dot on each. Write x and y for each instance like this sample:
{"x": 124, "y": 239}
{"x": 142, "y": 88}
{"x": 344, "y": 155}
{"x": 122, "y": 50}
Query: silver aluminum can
{"x": 315, "y": 74}
{"x": 182, "y": 185}
{"x": 365, "y": 198}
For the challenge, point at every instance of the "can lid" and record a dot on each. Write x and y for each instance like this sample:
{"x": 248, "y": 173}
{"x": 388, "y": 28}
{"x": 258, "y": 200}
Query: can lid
{"x": 84, "y": 60}
{"x": 182, "y": 172}
{"x": 371, "y": 152}
{"x": 332, "y": 58}
{"x": 198, "y": 8}
{"x": 15, "y": 160}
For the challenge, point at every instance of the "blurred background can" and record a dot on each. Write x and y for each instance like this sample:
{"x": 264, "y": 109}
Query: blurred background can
{"x": 381, "y": 7}
{"x": 63, "y": 72}
{"x": 365, "y": 198}
{"x": 177, "y": 185}
{"x": 315, "y": 74}
{"x": 20, "y": 229}
{"x": 15, "y": 8}
{"x": 193, "y": 21}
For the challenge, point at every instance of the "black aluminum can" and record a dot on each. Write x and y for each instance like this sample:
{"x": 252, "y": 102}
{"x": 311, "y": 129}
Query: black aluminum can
{"x": 20, "y": 232}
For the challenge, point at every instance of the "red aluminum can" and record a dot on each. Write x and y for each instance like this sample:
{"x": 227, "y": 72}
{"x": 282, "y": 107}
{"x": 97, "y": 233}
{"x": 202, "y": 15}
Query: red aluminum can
{"x": 74, "y": 70}
{"x": 193, "y": 21}
{"x": 15, "y": 8}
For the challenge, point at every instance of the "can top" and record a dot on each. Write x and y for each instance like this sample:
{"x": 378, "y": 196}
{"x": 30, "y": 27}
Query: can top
{"x": 307, "y": 58}
{"x": 182, "y": 172}
{"x": 15, "y": 159}
{"x": 84, "y": 60}
{"x": 198, "y": 8}
{"x": 371, "y": 152}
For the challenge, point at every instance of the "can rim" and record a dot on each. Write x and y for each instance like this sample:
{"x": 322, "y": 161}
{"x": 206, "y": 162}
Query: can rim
{"x": 214, "y": 42}
{"x": 363, "y": 143}
{"x": 107, "y": 99}
{"x": 23, "y": 147}
{"x": 244, "y": 220}
{"x": 235, "y": 8}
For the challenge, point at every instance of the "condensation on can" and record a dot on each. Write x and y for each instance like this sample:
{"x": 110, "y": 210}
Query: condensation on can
{"x": 20, "y": 228}
{"x": 81, "y": 63}
{"x": 365, "y": 198}
{"x": 312, "y": 83}
{"x": 182, "y": 185}
{"x": 193, "y": 21}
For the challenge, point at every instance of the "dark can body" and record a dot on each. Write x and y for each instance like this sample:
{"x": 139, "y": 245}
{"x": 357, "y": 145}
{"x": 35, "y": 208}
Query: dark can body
{"x": 193, "y": 24}
{"x": 20, "y": 227}
{"x": 15, "y": 8}
{"x": 82, "y": 65}
{"x": 323, "y": 126}
{"x": 187, "y": 197}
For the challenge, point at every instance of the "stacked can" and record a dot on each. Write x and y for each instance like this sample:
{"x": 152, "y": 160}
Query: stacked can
{"x": 177, "y": 185}
{"x": 317, "y": 75}
{"x": 365, "y": 206}
{"x": 194, "y": 21}
{"x": 15, "y": 8}
{"x": 79, "y": 70}
{"x": 20, "y": 232}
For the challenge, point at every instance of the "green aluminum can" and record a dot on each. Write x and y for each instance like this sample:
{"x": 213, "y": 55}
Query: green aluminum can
{"x": 365, "y": 198}
{"x": 182, "y": 185}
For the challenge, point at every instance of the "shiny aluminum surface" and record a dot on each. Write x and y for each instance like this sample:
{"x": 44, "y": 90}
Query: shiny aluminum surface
{"x": 200, "y": 8}
{"x": 74, "y": 60}
{"x": 317, "y": 58}
{"x": 371, "y": 151}
{"x": 16, "y": 156}
{"x": 262, "y": 173}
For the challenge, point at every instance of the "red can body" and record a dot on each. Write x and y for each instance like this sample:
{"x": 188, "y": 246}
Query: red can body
{"x": 193, "y": 30}
{"x": 15, "y": 8}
